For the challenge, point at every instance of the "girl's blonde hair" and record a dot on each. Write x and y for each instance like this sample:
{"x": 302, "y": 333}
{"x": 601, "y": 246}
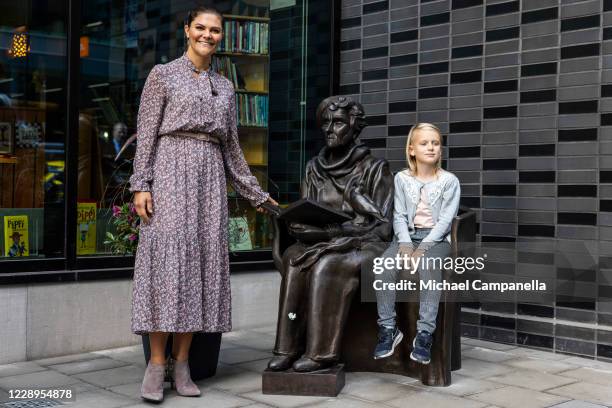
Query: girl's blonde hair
{"x": 412, "y": 164}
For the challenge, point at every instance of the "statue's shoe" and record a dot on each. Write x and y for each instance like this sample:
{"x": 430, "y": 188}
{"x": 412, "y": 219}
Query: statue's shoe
{"x": 281, "y": 363}
{"x": 306, "y": 364}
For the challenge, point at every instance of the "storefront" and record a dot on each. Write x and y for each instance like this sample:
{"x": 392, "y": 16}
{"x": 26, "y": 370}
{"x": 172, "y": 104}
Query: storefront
{"x": 71, "y": 74}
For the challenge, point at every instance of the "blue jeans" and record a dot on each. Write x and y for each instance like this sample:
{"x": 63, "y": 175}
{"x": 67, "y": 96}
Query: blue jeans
{"x": 428, "y": 299}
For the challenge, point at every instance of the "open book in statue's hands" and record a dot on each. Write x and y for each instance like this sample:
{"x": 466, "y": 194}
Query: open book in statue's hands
{"x": 309, "y": 212}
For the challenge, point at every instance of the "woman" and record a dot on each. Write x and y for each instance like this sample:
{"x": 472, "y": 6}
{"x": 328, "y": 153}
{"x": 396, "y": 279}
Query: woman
{"x": 187, "y": 143}
{"x": 426, "y": 200}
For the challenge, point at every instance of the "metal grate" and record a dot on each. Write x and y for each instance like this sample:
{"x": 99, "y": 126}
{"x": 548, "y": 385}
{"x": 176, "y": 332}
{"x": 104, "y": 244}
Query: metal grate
{"x": 37, "y": 403}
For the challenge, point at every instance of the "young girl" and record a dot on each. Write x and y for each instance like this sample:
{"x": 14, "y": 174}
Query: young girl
{"x": 426, "y": 201}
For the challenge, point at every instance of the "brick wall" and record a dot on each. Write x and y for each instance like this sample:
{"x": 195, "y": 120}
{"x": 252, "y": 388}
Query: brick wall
{"x": 523, "y": 93}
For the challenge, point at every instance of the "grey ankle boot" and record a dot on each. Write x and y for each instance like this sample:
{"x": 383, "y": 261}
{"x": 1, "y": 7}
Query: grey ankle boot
{"x": 153, "y": 383}
{"x": 181, "y": 379}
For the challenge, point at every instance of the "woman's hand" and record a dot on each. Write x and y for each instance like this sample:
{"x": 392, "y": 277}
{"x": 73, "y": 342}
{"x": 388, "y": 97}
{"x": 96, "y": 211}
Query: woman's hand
{"x": 143, "y": 202}
{"x": 261, "y": 209}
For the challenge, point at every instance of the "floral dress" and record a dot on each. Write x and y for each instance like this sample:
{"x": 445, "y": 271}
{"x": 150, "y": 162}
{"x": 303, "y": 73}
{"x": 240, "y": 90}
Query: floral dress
{"x": 181, "y": 275}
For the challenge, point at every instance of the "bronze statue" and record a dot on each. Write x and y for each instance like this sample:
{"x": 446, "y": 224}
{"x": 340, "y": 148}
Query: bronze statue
{"x": 321, "y": 268}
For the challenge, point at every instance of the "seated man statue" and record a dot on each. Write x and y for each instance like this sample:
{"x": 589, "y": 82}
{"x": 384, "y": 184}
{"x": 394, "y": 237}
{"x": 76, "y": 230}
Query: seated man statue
{"x": 321, "y": 269}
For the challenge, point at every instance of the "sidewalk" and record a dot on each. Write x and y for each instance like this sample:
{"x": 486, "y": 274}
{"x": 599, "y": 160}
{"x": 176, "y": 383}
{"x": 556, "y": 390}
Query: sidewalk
{"x": 492, "y": 375}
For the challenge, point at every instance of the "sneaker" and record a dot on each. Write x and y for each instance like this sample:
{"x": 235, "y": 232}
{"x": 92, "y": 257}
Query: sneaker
{"x": 421, "y": 352}
{"x": 388, "y": 339}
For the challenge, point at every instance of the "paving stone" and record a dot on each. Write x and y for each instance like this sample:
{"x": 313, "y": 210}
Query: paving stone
{"x": 70, "y": 358}
{"x": 487, "y": 344}
{"x": 398, "y": 378}
{"x": 462, "y": 385}
{"x": 533, "y": 380}
{"x": 537, "y": 364}
{"x": 343, "y": 401}
{"x": 587, "y": 362}
{"x": 514, "y": 397}
{"x": 24, "y": 367}
{"x": 131, "y": 390}
{"x": 594, "y": 393}
{"x": 375, "y": 389}
{"x": 471, "y": 367}
{"x": 132, "y": 355}
{"x": 40, "y": 379}
{"x": 241, "y": 355}
{"x": 100, "y": 398}
{"x": 136, "y": 349}
{"x": 481, "y": 353}
{"x": 424, "y": 399}
{"x": 114, "y": 376}
{"x": 227, "y": 369}
{"x": 577, "y": 404}
{"x": 82, "y": 387}
{"x": 225, "y": 344}
{"x": 535, "y": 353}
{"x": 239, "y": 383}
{"x": 259, "y": 341}
{"x": 87, "y": 366}
{"x": 283, "y": 401}
{"x": 209, "y": 398}
{"x": 265, "y": 329}
{"x": 591, "y": 375}
{"x": 258, "y": 365}
{"x": 240, "y": 334}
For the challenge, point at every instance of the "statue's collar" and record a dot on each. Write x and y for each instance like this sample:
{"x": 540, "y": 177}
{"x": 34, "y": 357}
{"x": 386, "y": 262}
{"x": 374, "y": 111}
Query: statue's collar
{"x": 346, "y": 164}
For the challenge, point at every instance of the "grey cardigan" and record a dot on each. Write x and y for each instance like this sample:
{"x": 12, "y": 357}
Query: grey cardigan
{"x": 443, "y": 195}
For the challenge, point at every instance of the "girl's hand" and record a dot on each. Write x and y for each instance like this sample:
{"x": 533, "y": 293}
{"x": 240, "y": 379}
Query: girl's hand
{"x": 405, "y": 250}
{"x": 417, "y": 253}
{"x": 261, "y": 209}
{"x": 143, "y": 202}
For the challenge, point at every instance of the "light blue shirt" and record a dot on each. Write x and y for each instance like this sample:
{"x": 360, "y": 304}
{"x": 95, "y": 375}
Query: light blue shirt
{"x": 443, "y": 195}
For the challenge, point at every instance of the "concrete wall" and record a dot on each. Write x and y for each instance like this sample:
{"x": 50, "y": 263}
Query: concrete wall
{"x": 46, "y": 320}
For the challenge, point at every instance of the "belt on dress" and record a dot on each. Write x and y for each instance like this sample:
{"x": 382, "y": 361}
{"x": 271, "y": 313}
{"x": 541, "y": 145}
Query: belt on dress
{"x": 207, "y": 137}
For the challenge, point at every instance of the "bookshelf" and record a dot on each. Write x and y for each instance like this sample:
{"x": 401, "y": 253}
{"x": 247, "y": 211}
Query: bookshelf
{"x": 244, "y": 59}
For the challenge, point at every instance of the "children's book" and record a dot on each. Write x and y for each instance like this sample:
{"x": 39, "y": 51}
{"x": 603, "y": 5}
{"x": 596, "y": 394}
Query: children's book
{"x": 86, "y": 227}
{"x": 239, "y": 234}
{"x": 16, "y": 242}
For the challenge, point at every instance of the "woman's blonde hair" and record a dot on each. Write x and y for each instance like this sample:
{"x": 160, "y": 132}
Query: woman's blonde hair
{"x": 412, "y": 164}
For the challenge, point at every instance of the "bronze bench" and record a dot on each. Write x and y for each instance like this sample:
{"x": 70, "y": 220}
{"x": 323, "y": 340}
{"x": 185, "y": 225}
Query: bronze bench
{"x": 360, "y": 334}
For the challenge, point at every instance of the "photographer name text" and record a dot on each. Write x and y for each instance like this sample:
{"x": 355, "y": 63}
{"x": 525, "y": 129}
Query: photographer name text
{"x": 477, "y": 284}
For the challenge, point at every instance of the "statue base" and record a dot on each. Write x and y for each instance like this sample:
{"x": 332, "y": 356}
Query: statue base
{"x": 322, "y": 383}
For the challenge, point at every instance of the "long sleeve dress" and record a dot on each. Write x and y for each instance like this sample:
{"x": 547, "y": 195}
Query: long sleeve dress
{"x": 181, "y": 274}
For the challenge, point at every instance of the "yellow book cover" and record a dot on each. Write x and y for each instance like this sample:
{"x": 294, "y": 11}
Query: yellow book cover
{"x": 16, "y": 241}
{"x": 255, "y": 77}
{"x": 86, "y": 227}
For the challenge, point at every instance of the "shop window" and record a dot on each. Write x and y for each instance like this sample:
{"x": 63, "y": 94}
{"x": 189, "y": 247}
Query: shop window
{"x": 120, "y": 43}
{"x": 33, "y": 91}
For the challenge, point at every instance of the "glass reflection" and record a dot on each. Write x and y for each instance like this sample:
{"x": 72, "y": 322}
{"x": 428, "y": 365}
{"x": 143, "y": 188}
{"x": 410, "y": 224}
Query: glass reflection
{"x": 32, "y": 128}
